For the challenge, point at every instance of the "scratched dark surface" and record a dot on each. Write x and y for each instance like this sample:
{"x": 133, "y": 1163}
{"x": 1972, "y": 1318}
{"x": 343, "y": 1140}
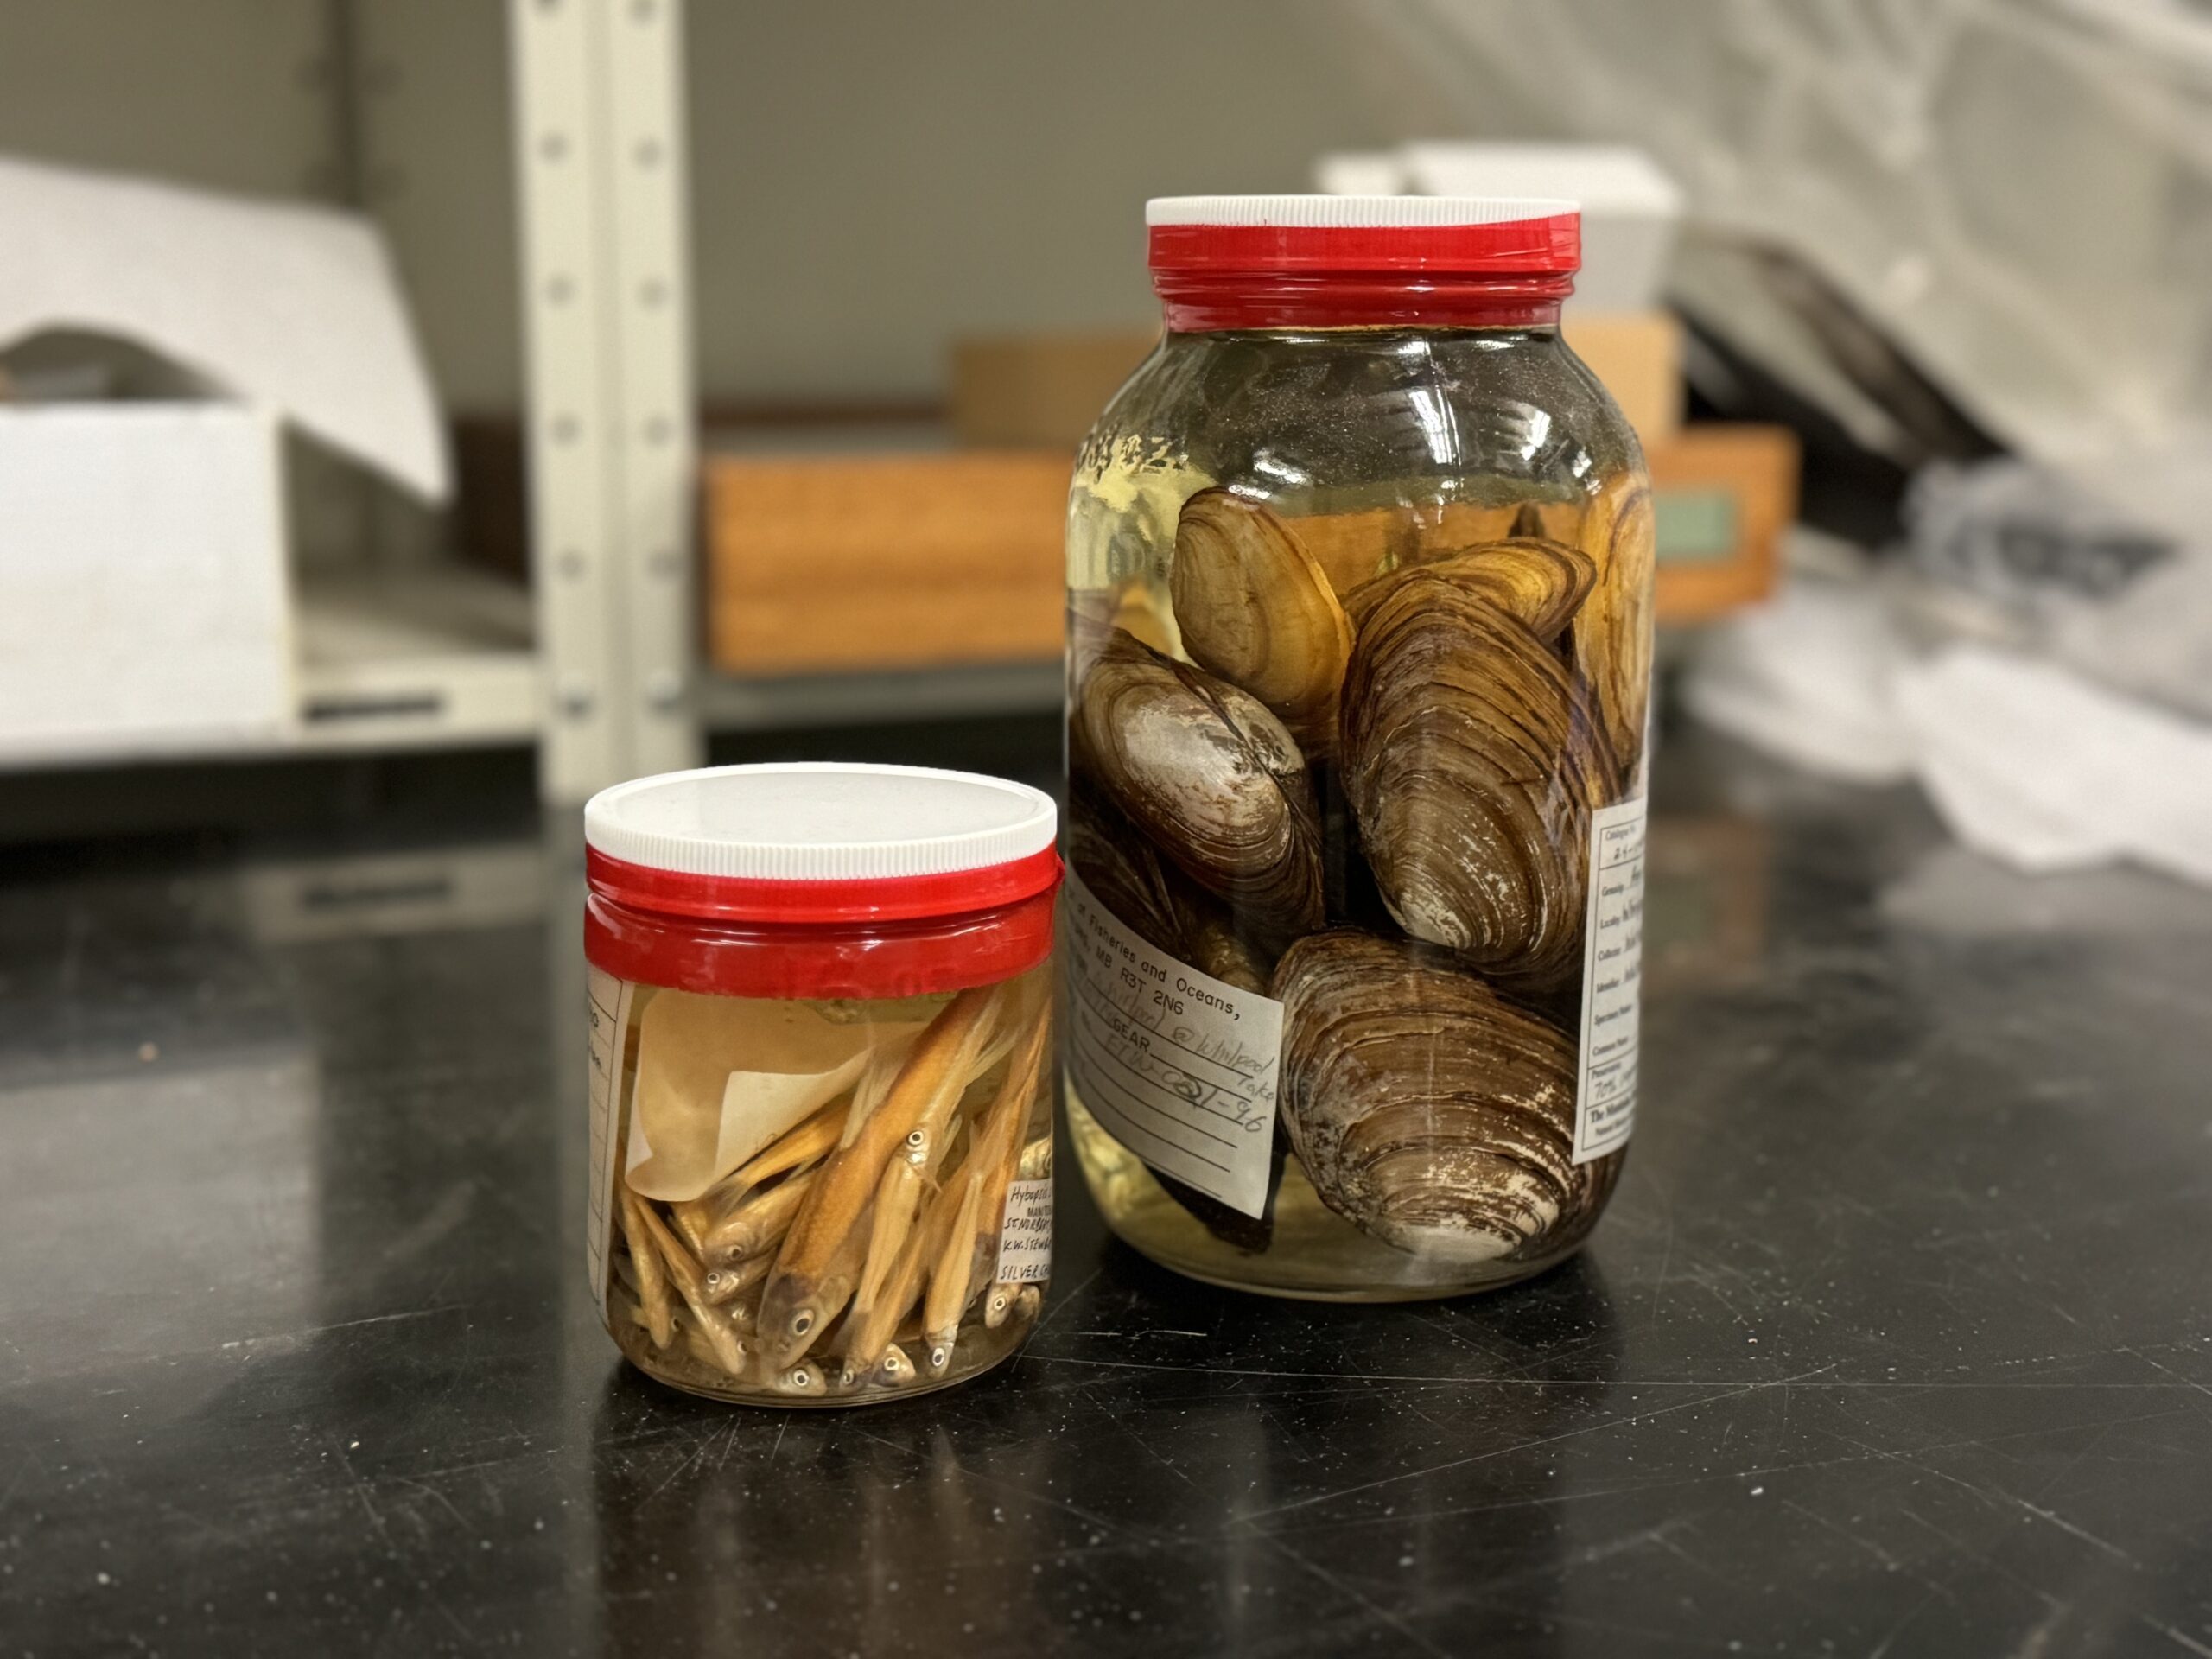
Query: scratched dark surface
{"x": 1897, "y": 1341}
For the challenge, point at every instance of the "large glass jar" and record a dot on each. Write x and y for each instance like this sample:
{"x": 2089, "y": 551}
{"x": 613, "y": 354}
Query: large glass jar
{"x": 1359, "y": 571}
{"x": 821, "y": 1049}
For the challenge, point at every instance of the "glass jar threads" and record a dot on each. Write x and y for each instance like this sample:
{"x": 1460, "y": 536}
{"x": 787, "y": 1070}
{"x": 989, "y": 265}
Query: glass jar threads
{"x": 1359, "y": 573}
{"x": 821, "y": 1063}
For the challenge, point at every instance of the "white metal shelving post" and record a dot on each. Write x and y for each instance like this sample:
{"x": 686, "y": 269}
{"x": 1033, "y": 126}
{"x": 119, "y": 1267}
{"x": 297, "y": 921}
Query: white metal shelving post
{"x": 599, "y": 148}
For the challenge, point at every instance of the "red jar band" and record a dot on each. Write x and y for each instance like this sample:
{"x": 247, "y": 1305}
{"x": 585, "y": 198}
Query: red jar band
{"x": 1550, "y": 243}
{"x": 863, "y": 956}
{"x": 1209, "y": 302}
{"x": 1513, "y": 274}
{"x": 904, "y": 898}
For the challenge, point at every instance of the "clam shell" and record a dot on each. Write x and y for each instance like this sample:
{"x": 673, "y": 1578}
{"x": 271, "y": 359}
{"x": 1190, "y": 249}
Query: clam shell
{"x": 1206, "y": 774}
{"x": 1539, "y": 582}
{"x": 1121, "y": 869}
{"x": 1255, "y": 609}
{"x": 1611, "y": 636}
{"x": 1213, "y": 947}
{"x": 1472, "y": 760}
{"x": 1427, "y": 1110}
{"x": 1153, "y": 899}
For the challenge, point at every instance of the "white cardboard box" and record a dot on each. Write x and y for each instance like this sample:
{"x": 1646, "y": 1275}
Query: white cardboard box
{"x": 144, "y": 603}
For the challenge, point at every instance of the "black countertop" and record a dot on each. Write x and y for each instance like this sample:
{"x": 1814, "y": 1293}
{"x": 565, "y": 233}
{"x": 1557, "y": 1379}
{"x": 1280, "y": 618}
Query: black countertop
{"x": 1897, "y": 1339}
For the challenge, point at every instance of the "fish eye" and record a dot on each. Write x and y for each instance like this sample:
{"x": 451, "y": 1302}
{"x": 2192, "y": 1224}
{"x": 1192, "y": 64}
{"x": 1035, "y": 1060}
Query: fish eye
{"x": 802, "y": 1322}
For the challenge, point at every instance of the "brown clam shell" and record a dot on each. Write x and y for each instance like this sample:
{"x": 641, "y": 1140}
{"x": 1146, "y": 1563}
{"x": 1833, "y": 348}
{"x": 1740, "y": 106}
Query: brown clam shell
{"x": 1473, "y": 759}
{"x": 1209, "y": 776}
{"x": 1152, "y": 898}
{"x": 1255, "y": 609}
{"x": 1611, "y": 636}
{"x": 1539, "y": 582}
{"x": 1122, "y": 870}
{"x": 1427, "y": 1110}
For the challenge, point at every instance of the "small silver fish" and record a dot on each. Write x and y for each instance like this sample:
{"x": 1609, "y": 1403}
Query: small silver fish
{"x": 894, "y": 1370}
{"x": 805, "y": 1382}
{"x": 726, "y": 1284}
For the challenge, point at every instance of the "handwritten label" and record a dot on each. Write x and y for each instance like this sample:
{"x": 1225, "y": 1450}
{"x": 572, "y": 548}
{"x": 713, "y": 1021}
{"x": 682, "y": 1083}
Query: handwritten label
{"x": 1613, "y": 963}
{"x": 1179, "y": 1067}
{"x": 607, "y": 1011}
{"x": 1025, "y": 1234}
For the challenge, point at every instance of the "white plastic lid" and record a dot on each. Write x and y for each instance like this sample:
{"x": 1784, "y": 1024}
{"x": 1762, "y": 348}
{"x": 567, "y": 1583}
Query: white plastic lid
{"x": 1360, "y": 213}
{"x": 819, "y": 822}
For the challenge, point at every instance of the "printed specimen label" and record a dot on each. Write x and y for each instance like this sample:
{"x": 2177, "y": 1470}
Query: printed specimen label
{"x": 1179, "y": 1067}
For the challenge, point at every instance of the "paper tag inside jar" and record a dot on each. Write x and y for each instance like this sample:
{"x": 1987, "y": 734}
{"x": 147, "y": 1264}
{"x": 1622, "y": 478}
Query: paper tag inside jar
{"x": 607, "y": 1012}
{"x": 1025, "y": 1234}
{"x": 1179, "y": 1067}
{"x": 1612, "y": 961}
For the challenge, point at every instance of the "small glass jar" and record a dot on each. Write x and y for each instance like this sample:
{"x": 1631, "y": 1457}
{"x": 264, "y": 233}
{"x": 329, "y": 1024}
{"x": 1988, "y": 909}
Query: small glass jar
{"x": 821, "y": 1067}
{"x": 1360, "y": 591}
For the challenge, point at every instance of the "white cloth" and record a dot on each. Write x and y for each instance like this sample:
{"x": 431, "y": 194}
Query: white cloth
{"x": 2032, "y": 763}
{"x": 1808, "y": 678}
{"x": 2024, "y": 759}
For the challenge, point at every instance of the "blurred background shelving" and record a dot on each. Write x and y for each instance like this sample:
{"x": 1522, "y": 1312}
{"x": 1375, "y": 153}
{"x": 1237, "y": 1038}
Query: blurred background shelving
{"x": 432, "y": 656}
{"x": 632, "y": 231}
{"x": 692, "y": 283}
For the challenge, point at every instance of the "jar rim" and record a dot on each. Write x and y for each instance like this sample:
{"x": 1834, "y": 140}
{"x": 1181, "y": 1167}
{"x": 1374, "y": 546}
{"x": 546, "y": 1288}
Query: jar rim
{"x": 820, "y": 841}
{"x": 1363, "y": 235}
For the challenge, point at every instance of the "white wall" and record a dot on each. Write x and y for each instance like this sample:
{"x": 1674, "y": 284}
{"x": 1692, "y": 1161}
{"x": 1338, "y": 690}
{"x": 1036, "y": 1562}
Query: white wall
{"x": 220, "y": 92}
{"x": 871, "y": 176}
